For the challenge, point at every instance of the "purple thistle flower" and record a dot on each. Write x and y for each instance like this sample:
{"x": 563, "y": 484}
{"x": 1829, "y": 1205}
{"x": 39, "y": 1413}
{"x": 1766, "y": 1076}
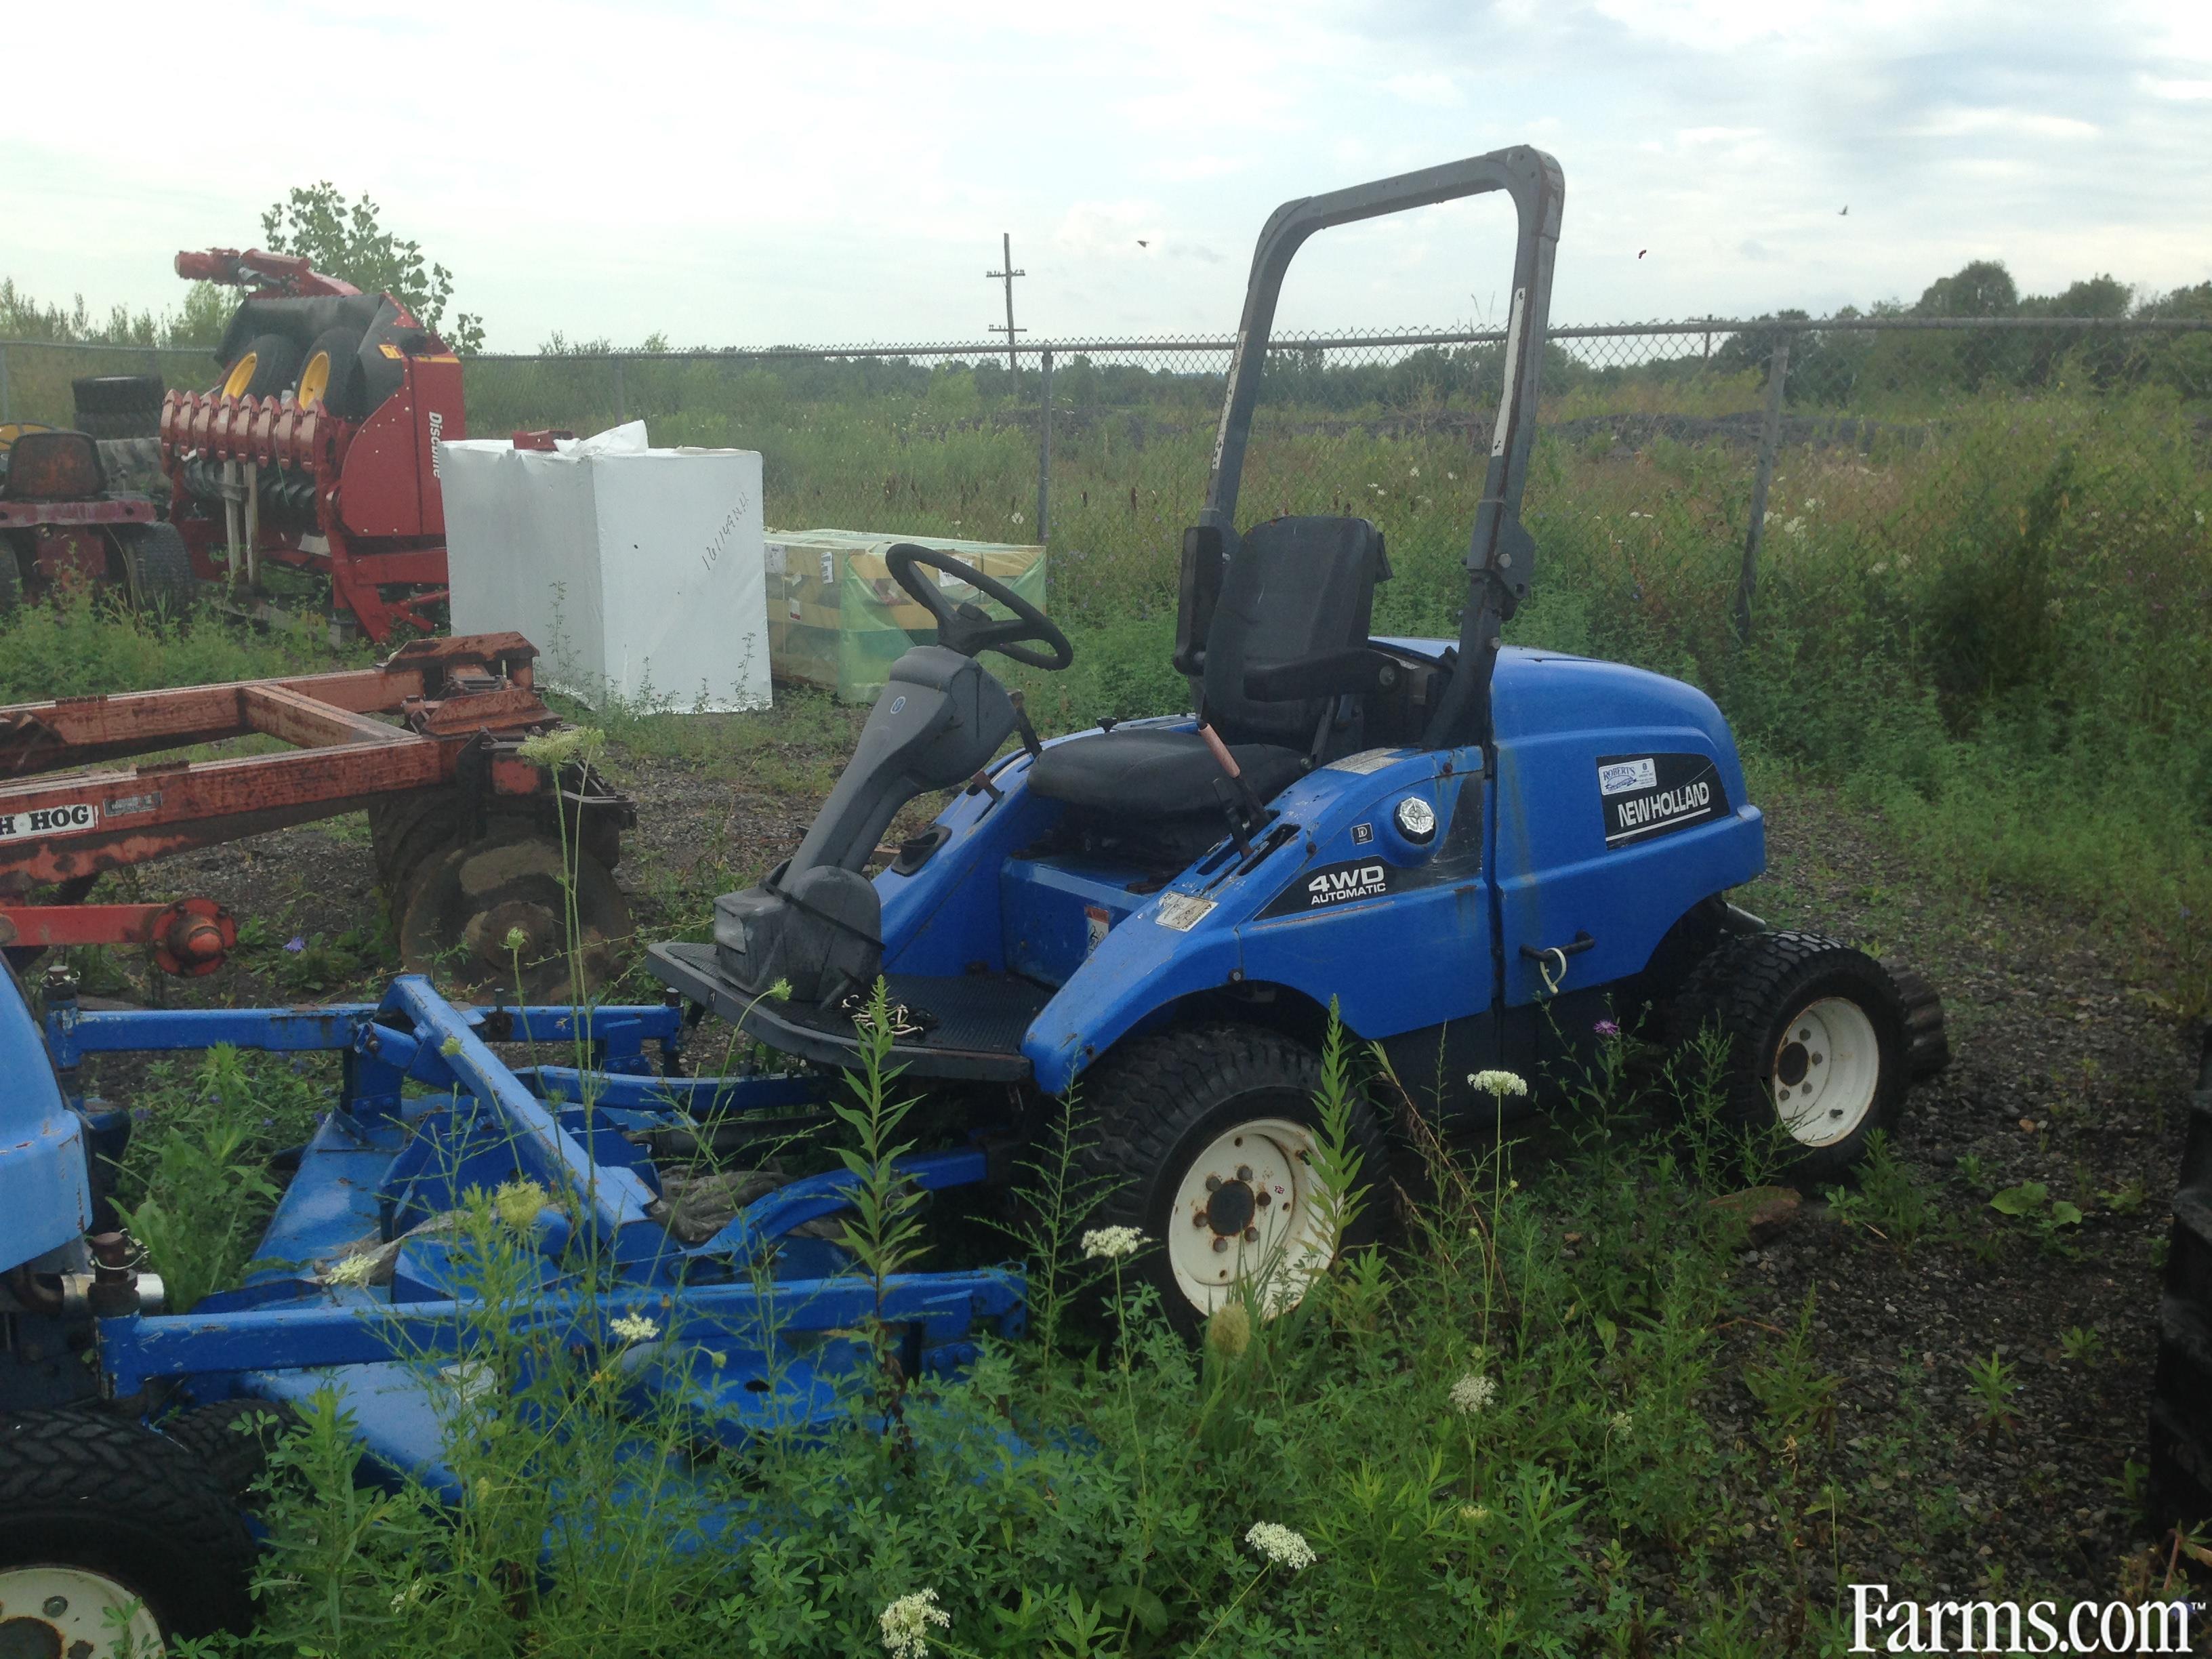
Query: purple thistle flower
{"x": 295, "y": 945}
{"x": 1607, "y": 1028}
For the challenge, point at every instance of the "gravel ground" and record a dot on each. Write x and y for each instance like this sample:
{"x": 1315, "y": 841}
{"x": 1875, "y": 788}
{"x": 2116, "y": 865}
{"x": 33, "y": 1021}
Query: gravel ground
{"x": 2066, "y": 1072}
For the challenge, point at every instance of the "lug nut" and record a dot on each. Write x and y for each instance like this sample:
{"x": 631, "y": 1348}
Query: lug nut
{"x": 1198, "y": 1220}
{"x": 1213, "y": 1183}
{"x": 1220, "y": 1243}
{"x": 1816, "y": 1059}
{"x": 1263, "y": 1198}
{"x": 1251, "y": 1235}
{"x": 1243, "y": 1172}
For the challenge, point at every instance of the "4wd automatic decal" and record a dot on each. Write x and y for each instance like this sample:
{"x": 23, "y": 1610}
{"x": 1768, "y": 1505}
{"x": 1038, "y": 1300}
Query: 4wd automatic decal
{"x": 1332, "y": 884}
{"x": 1645, "y": 795}
{"x": 50, "y": 821}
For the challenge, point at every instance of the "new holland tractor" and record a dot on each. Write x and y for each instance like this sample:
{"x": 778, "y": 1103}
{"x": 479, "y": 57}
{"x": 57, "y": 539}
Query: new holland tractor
{"x": 1475, "y": 853}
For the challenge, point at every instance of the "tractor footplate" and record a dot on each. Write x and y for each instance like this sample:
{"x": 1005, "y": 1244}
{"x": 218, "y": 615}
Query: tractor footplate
{"x": 966, "y": 1025}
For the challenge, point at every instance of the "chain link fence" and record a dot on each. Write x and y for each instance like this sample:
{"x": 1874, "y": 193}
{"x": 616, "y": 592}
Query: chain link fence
{"x": 1690, "y": 477}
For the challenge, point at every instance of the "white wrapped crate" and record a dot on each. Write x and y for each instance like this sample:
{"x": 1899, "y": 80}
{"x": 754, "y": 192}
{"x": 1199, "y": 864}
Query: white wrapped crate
{"x": 636, "y": 572}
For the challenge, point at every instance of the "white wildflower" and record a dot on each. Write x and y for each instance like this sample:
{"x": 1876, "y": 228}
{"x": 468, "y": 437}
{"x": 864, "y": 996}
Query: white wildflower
{"x": 906, "y": 1624}
{"x": 1473, "y": 1393}
{"x": 633, "y": 1327}
{"x": 1281, "y": 1545}
{"x": 1500, "y": 1084}
{"x": 1794, "y": 527}
{"x": 1112, "y": 1242}
{"x": 1812, "y": 503}
{"x": 1412, "y": 472}
{"x": 351, "y": 1269}
{"x": 1622, "y": 1422}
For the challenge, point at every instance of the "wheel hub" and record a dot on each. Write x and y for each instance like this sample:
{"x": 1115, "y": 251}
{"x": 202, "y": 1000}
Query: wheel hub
{"x": 1244, "y": 1216}
{"x": 70, "y": 1613}
{"x": 1828, "y": 1071}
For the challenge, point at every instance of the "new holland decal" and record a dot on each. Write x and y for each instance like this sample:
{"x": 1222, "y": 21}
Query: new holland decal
{"x": 1646, "y": 795}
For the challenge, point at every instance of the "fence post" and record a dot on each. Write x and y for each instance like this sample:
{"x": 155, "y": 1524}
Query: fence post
{"x": 1044, "y": 442}
{"x": 1770, "y": 434}
{"x": 6, "y": 413}
{"x": 621, "y": 403}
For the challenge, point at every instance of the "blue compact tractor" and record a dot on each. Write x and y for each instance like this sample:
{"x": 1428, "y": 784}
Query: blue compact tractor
{"x": 1476, "y": 852}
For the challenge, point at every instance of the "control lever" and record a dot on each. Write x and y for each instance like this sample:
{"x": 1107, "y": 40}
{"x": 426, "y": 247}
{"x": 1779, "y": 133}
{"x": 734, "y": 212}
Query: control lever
{"x": 1021, "y": 726}
{"x": 1244, "y": 809}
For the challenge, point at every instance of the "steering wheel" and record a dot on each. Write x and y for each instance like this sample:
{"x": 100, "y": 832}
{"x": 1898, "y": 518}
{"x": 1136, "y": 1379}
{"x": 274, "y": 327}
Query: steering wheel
{"x": 968, "y": 627}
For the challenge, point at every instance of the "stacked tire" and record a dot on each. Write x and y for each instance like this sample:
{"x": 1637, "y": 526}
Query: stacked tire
{"x": 2181, "y": 1391}
{"x": 118, "y": 405}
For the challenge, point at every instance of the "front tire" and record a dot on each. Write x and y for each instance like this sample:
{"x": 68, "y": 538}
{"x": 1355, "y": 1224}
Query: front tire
{"x": 97, "y": 1515}
{"x": 1816, "y": 1044}
{"x": 1208, "y": 1130}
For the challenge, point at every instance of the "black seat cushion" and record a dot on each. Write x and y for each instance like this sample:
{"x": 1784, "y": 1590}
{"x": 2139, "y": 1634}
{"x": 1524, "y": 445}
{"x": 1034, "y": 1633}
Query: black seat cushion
{"x": 1296, "y": 587}
{"x": 1154, "y": 773}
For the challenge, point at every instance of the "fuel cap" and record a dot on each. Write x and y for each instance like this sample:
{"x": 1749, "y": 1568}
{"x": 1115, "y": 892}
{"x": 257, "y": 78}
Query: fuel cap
{"x": 1417, "y": 819}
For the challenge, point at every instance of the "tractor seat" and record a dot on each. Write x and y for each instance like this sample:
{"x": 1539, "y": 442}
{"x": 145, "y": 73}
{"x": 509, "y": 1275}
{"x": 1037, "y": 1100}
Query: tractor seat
{"x": 1295, "y": 589}
{"x": 1153, "y": 774}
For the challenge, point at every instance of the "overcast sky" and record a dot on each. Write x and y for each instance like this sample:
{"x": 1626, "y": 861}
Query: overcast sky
{"x": 829, "y": 173}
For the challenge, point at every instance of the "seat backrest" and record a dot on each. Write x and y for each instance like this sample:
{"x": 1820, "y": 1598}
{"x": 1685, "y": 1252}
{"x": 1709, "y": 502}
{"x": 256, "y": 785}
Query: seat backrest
{"x": 1297, "y": 588}
{"x": 53, "y": 467}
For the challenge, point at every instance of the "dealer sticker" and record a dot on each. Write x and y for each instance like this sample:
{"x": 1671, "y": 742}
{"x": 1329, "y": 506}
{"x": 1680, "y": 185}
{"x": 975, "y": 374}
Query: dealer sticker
{"x": 1618, "y": 777}
{"x": 73, "y": 820}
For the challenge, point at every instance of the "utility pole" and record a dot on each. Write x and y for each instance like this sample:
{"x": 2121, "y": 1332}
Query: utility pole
{"x": 1006, "y": 274}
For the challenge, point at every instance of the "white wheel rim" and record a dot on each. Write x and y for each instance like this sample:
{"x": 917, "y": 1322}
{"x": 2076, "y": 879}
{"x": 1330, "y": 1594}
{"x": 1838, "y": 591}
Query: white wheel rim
{"x": 1254, "y": 1173}
{"x": 78, "y": 1607}
{"x": 1824, "y": 1071}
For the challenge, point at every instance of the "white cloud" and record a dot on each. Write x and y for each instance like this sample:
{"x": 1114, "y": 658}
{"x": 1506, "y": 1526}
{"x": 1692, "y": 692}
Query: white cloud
{"x": 745, "y": 171}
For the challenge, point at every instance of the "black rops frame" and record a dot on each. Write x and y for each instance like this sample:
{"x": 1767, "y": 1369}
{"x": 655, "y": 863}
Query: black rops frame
{"x": 1501, "y": 554}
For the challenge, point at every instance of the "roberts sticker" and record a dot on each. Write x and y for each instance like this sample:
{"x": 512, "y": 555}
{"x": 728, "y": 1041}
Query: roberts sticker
{"x": 1181, "y": 911}
{"x": 1330, "y": 885}
{"x": 1618, "y": 777}
{"x": 1646, "y": 795}
{"x": 49, "y": 821}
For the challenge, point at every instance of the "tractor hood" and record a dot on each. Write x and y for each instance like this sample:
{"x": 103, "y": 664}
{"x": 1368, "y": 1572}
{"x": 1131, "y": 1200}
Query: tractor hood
{"x": 46, "y": 1195}
{"x": 1535, "y": 693}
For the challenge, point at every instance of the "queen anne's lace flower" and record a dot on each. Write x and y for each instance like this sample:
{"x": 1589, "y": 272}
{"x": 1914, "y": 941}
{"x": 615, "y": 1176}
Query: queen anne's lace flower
{"x": 1281, "y": 1545}
{"x": 1500, "y": 1084}
{"x": 633, "y": 1327}
{"x": 1473, "y": 1393}
{"x": 906, "y": 1624}
{"x": 351, "y": 1269}
{"x": 1112, "y": 1242}
{"x": 517, "y": 1203}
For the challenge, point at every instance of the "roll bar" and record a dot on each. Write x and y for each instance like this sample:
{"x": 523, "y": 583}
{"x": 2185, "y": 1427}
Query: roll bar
{"x": 1500, "y": 556}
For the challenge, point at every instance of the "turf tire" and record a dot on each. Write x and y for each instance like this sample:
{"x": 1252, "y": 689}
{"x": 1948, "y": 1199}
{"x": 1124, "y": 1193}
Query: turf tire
{"x": 2181, "y": 1386}
{"x": 1751, "y": 987}
{"x": 85, "y": 1490}
{"x": 157, "y": 570}
{"x": 118, "y": 405}
{"x": 1160, "y": 1100}
{"x": 232, "y": 1439}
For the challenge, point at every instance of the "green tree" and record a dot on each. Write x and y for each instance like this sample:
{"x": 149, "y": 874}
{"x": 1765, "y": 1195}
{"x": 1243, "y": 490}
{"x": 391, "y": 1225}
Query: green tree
{"x": 1980, "y": 288}
{"x": 347, "y": 241}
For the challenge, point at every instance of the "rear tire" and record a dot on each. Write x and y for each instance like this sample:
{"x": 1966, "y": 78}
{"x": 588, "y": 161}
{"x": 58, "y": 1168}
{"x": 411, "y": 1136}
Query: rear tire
{"x": 1816, "y": 1044}
{"x": 270, "y": 364}
{"x": 96, "y": 1513}
{"x": 1234, "y": 1103}
{"x": 11, "y": 576}
{"x": 157, "y": 570}
{"x": 2181, "y": 1386}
